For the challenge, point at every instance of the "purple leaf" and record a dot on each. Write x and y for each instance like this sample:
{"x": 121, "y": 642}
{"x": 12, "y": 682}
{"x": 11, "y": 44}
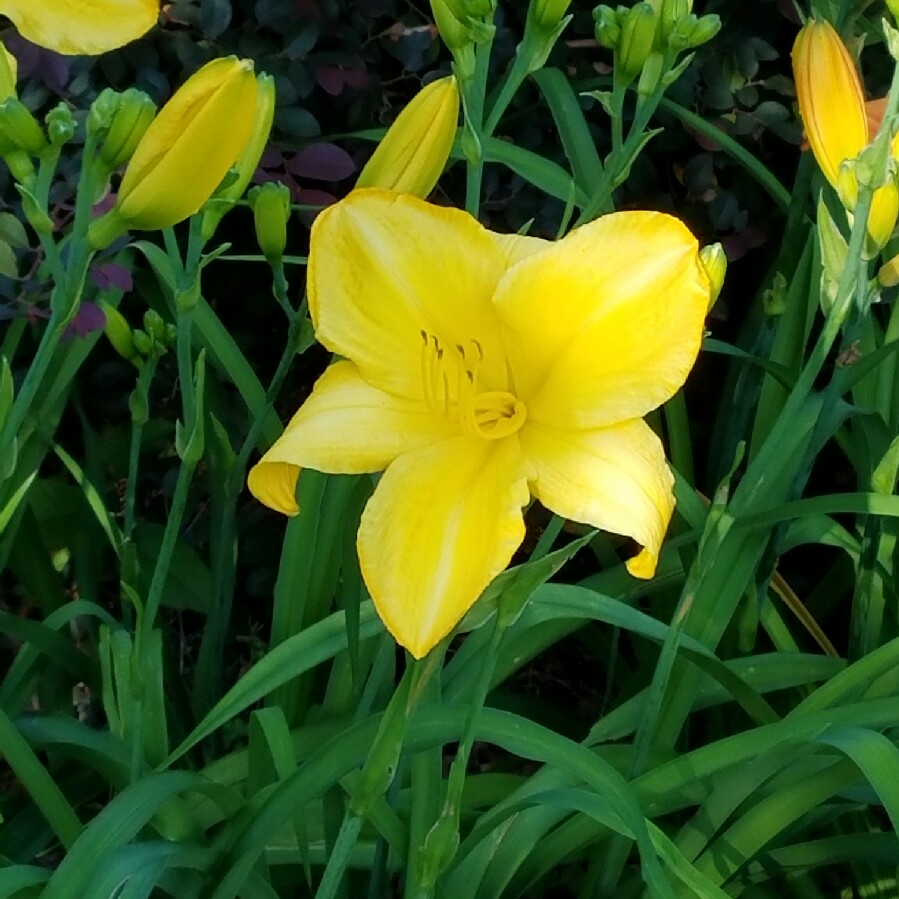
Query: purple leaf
{"x": 333, "y": 79}
{"x": 88, "y": 318}
{"x": 272, "y": 158}
{"x": 112, "y": 275}
{"x": 322, "y": 162}
{"x": 52, "y": 68}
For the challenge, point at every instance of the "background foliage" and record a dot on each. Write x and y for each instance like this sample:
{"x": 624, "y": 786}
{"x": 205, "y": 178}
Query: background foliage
{"x": 729, "y": 728}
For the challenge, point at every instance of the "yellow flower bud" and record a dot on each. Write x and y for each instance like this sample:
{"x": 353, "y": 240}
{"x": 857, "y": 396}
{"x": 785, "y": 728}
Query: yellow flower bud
{"x": 714, "y": 261}
{"x": 187, "y": 150}
{"x": 830, "y": 96}
{"x": 413, "y": 153}
{"x": 837, "y": 125}
{"x": 888, "y": 276}
{"x": 882, "y": 216}
{"x": 263, "y": 116}
{"x": 248, "y": 161}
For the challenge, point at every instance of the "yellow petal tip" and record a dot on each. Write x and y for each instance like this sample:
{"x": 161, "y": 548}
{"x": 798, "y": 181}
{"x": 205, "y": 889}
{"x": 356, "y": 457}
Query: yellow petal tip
{"x": 274, "y": 484}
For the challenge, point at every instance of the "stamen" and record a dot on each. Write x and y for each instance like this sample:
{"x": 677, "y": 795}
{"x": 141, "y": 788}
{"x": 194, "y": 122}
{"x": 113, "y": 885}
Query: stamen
{"x": 427, "y": 387}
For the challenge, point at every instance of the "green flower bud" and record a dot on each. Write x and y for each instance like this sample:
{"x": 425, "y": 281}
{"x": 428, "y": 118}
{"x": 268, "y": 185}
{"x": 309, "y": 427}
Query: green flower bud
{"x": 606, "y": 29}
{"x": 714, "y": 261}
{"x": 547, "y": 14}
{"x": 651, "y": 74}
{"x": 21, "y": 128}
{"x": 118, "y": 332}
{"x": 102, "y": 111}
{"x": 154, "y": 325}
{"x": 690, "y": 32}
{"x": 143, "y": 343}
{"x": 130, "y": 119}
{"x": 474, "y": 9}
{"x": 60, "y": 125}
{"x": 138, "y": 406}
{"x": 454, "y": 33}
{"x": 670, "y": 13}
{"x": 637, "y": 37}
{"x": 271, "y": 211}
{"x": 834, "y": 256}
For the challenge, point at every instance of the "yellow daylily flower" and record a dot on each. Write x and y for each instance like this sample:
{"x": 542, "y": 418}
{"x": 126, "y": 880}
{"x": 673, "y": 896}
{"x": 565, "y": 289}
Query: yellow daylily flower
{"x": 186, "y": 151}
{"x": 480, "y": 369}
{"x": 75, "y": 28}
{"x": 413, "y": 153}
{"x": 836, "y": 120}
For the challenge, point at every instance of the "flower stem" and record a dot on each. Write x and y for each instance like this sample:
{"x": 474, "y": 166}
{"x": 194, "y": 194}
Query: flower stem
{"x": 474, "y": 91}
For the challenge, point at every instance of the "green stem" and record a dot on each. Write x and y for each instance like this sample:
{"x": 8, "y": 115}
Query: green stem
{"x": 509, "y": 87}
{"x": 474, "y": 90}
{"x": 67, "y": 291}
{"x": 184, "y": 325}
{"x": 380, "y": 766}
{"x": 209, "y": 674}
{"x": 443, "y": 839}
{"x": 622, "y": 155}
{"x": 169, "y": 538}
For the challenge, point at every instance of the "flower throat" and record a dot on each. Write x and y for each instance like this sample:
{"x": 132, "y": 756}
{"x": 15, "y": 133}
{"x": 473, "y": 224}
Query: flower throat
{"x": 449, "y": 379}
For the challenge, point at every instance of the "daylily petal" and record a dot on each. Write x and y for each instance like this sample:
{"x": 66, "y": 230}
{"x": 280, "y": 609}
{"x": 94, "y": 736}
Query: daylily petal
{"x": 516, "y": 247}
{"x": 385, "y": 267}
{"x": 605, "y": 325}
{"x": 67, "y": 26}
{"x": 442, "y": 523}
{"x": 830, "y": 96}
{"x": 274, "y": 484}
{"x": 345, "y": 427}
{"x": 613, "y": 478}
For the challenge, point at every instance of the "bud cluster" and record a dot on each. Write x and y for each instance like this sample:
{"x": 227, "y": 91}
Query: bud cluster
{"x": 462, "y": 24}
{"x": 650, "y": 27}
{"x": 151, "y": 341}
